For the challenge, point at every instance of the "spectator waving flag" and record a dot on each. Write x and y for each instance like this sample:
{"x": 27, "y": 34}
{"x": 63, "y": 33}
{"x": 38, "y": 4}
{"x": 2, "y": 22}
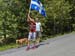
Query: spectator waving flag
{"x": 37, "y": 5}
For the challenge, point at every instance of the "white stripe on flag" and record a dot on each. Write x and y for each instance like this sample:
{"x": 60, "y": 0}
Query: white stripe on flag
{"x": 40, "y": 11}
{"x": 33, "y": 2}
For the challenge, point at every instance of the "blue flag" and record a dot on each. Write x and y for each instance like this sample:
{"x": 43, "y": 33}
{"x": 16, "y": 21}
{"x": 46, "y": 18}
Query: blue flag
{"x": 37, "y": 5}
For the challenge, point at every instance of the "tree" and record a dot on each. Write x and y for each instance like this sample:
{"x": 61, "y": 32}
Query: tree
{"x": 57, "y": 16}
{"x": 12, "y": 14}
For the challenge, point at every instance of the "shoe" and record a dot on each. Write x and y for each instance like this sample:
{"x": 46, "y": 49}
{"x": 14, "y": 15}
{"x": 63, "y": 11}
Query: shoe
{"x": 37, "y": 46}
{"x": 27, "y": 48}
{"x": 33, "y": 47}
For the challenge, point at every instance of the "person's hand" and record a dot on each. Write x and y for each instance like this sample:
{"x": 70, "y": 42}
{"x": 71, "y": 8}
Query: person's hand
{"x": 28, "y": 18}
{"x": 41, "y": 30}
{"x": 28, "y": 15}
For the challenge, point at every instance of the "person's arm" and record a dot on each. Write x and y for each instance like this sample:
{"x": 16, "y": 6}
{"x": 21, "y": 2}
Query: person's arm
{"x": 30, "y": 19}
{"x": 41, "y": 28}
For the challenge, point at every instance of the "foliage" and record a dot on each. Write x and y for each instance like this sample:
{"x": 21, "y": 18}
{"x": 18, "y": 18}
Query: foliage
{"x": 13, "y": 13}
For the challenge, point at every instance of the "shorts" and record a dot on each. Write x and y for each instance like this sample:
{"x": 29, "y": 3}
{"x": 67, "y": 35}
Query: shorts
{"x": 38, "y": 34}
{"x": 32, "y": 36}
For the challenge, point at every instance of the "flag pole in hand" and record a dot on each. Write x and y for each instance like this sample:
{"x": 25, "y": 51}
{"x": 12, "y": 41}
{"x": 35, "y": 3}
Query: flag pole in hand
{"x": 29, "y": 12}
{"x": 29, "y": 8}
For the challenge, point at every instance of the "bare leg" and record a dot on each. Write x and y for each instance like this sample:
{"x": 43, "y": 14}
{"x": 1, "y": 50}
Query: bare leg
{"x": 28, "y": 45}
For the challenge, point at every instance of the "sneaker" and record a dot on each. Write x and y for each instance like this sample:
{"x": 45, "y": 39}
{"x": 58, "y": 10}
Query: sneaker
{"x": 33, "y": 47}
{"x": 27, "y": 48}
{"x": 37, "y": 46}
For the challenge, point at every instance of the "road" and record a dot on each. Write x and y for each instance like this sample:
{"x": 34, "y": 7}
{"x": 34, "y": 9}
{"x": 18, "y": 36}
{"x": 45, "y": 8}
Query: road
{"x": 58, "y": 46}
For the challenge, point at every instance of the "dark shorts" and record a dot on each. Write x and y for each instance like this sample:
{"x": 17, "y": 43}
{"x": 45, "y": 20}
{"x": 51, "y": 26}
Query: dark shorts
{"x": 38, "y": 34}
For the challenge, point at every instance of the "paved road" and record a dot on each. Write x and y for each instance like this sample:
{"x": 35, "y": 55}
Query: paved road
{"x": 60, "y": 46}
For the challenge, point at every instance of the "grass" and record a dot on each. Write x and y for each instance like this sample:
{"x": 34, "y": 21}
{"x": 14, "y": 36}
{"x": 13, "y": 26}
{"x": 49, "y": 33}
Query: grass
{"x": 6, "y": 47}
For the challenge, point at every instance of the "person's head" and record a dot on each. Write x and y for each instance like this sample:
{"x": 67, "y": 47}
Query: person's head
{"x": 37, "y": 20}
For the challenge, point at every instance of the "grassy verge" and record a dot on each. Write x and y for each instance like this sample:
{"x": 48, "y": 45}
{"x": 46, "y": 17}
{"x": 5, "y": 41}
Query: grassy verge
{"x": 6, "y": 47}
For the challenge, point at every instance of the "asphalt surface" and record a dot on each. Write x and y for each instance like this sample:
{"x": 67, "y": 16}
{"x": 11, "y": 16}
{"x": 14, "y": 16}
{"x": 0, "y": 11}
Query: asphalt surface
{"x": 58, "y": 46}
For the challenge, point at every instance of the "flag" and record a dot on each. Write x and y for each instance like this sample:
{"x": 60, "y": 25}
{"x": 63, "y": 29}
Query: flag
{"x": 37, "y": 5}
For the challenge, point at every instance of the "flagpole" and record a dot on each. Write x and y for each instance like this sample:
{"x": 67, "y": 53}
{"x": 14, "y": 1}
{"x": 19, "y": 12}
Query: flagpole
{"x": 29, "y": 8}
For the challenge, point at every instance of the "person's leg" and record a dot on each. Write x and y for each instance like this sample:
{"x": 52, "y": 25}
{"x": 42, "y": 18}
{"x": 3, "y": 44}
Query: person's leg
{"x": 38, "y": 40}
{"x": 28, "y": 45}
{"x": 38, "y": 37}
{"x": 34, "y": 36}
{"x": 29, "y": 39}
{"x": 34, "y": 39}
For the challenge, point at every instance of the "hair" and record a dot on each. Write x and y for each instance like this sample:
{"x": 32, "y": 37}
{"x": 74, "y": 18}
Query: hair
{"x": 37, "y": 19}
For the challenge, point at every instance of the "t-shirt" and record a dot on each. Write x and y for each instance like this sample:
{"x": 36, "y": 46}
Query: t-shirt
{"x": 32, "y": 26}
{"x": 38, "y": 26}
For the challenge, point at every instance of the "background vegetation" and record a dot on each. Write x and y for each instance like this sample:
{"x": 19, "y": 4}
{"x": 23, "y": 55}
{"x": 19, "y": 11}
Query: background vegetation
{"x": 13, "y": 14}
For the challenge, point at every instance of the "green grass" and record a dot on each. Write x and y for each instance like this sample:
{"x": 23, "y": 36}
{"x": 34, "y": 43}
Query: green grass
{"x": 6, "y": 47}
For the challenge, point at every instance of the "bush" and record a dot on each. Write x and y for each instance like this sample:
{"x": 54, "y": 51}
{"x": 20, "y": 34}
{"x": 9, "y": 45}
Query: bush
{"x": 9, "y": 40}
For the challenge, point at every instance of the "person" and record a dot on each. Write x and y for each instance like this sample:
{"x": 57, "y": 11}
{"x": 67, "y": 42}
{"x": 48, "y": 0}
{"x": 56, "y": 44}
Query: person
{"x": 32, "y": 32}
{"x": 39, "y": 31}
